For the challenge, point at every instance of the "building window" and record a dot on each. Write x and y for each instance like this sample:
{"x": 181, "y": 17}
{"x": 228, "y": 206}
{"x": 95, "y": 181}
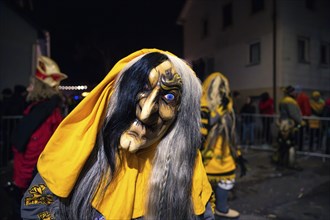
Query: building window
{"x": 325, "y": 54}
{"x": 227, "y": 12}
{"x": 254, "y": 53}
{"x": 205, "y": 28}
{"x": 303, "y": 49}
{"x": 257, "y": 5}
{"x": 310, "y": 4}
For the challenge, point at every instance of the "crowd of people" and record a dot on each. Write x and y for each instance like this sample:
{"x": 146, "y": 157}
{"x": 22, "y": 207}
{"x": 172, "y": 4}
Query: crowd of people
{"x": 13, "y": 102}
{"x": 248, "y": 111}
{"x": 302, "y": 123}
{"x": 151, "y": 141}
{"x": 306, "y": 110}
{"x": 308, "y": 115}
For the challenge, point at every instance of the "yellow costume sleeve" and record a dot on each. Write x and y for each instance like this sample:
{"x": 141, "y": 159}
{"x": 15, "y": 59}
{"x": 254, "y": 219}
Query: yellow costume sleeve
{"x": 202, "y": 190}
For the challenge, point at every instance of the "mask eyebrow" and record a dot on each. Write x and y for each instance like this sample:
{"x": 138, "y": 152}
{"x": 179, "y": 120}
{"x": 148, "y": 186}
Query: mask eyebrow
{"x": 171, "y": 81}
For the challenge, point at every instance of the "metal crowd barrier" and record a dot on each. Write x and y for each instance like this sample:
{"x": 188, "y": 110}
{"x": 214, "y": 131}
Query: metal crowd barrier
{"x": 253, "y": 131}
{"x": 8, "y": 125}
{"x": 261, "y": 131}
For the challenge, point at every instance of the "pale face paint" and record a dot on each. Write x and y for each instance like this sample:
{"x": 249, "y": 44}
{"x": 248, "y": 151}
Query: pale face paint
{"x": 156, "y": 110}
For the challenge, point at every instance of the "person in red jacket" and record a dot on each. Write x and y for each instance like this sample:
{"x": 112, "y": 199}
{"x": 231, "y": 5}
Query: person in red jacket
{"x": 304, "y": 104}
{"x": 40, "y": 119}
{"x": 266, "y": 109}
{"x": 306, "y": 110}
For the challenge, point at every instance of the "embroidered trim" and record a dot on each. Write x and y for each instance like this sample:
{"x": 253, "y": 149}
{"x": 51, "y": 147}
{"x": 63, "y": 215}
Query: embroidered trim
{"x": 38, "y": 196}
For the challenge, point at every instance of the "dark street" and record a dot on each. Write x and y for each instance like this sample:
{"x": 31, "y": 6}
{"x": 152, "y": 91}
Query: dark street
{"x": 266, "y": 193}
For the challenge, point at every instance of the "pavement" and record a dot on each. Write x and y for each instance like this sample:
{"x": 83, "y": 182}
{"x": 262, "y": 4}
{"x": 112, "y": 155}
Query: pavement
{"x": 265, "y": 193}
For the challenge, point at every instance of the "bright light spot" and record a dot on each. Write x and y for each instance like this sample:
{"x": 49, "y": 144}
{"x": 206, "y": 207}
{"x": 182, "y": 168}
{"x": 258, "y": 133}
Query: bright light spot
{"x": 84, "y": 94}
{"x": 74, "y": 88}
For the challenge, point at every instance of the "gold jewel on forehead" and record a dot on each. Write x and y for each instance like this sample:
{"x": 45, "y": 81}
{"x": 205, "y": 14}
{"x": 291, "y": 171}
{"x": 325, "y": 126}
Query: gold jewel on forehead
{"x": 170, "y": 81}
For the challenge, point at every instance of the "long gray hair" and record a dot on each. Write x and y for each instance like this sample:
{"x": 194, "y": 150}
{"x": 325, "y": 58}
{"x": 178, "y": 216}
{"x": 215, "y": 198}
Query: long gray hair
{"x": 170, "y": 184}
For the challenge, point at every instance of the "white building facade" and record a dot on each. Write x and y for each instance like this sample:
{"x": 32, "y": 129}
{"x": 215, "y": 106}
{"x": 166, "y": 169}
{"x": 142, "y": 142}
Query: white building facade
{"x": 20, "y": 44}
{"x": 260, "y": 45}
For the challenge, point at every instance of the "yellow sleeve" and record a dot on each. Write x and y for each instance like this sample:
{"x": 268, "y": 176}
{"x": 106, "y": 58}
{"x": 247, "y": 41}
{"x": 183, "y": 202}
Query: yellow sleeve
{"x": 201, "y": 188}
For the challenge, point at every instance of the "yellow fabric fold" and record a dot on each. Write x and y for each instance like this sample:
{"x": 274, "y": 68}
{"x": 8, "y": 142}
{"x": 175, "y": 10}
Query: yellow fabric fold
{"x": 317, "y": 106}
{"x": 201, "y": 188}
{"x": 289, "y": 100}
{"x": 222, "y": 160}
{"x": 206, "y": 84}
{"x": 126, "y": 196}
{"x": 66, "y": 152}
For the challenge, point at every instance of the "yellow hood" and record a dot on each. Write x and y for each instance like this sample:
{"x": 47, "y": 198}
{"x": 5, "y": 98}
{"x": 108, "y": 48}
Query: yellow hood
{"x": 206, "y": 85}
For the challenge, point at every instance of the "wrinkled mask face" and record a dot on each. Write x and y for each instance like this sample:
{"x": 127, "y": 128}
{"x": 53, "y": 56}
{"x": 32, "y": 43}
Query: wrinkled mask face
{"x": 157, "y": 108}
{"x": 286, "y": 127}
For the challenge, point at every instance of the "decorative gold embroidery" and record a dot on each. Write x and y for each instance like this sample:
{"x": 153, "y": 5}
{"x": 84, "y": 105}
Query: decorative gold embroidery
{"x": 38, "y": 196}
{"x": 45, "y": 216}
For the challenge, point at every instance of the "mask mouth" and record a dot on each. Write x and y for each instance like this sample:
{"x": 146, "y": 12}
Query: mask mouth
{"x": 136, "y": 135}
{"x": 137, "y": 129}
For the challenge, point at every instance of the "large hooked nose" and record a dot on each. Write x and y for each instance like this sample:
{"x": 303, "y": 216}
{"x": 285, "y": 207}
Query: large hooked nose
{"x": 149, "y": 106}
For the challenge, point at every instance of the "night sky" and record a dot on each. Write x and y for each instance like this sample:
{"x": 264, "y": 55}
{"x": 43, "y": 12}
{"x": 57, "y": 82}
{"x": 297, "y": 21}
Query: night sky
{"x": 89, "y": 37}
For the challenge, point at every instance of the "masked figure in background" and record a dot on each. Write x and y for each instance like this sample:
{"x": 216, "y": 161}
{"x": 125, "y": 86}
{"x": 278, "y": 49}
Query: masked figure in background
{"x": 40, "y": 119}
{"x": 291, "y": 120}
{"x": 284, "y": 155}
{"x": 218, "y": 150}
{"x": 129, "y": 150}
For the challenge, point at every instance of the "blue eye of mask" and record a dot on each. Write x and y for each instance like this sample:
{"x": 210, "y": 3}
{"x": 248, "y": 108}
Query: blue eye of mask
{"x": 169, "y": 97}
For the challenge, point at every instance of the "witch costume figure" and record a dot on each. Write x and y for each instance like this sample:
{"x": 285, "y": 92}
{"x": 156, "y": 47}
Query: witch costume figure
{"x": 40, "y": 119}
{"x": 219, "y": 151}
{"x": 129, "y": 150}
